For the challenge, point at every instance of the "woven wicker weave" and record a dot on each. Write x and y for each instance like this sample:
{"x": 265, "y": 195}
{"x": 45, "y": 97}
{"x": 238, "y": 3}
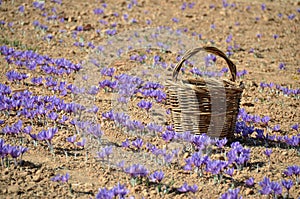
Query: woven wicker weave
{"x": 204, "y": 106}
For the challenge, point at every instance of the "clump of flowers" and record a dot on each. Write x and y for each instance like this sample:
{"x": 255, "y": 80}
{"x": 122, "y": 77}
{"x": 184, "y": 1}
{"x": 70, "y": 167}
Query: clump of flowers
{"x": 118, "y": 191}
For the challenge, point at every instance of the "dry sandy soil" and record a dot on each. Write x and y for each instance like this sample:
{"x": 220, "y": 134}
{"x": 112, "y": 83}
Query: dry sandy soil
{"x": 265, "y": 34}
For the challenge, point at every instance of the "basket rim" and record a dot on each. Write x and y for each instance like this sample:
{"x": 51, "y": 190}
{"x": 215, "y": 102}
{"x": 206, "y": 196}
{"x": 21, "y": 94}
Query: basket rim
{"x": 210, "y": 49}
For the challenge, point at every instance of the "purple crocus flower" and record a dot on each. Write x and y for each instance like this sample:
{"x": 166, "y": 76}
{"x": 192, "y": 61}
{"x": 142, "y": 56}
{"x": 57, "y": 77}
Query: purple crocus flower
{"x": 175, "y": 20}
{"x": 106, "y": 151}
{"x": 193, "y": 188}
{"x": 250, "y": 182}
{"x": 104, "y": 193}
{"x": 184, "y": 188}
{"x": 265, "y": 186}
{"x": 220, "y": 143}
{"x": 136, "y": 170}
{"x": 201, "y": 141}
{"x": 215, "y": 166}
{"x": 108, "y": 71}
{"x": 275, "y": 36}
{"x": 65, "y": 178}
{"x": 63, "y": 119}
{"x": 37, "y": 80}
{"x": 291, "y": 16}
{"x": 126, "y": 143}
{"x": 268, "y": 152}
{"x": 229, "y": 38}
{"x": 167, "y": 136}
{"x": 120, "y": 190}
{"x": 138, "y": 143}
{"x": 292, "y": 170}
{"x": 82, "y": 143}
{"x": 231, "y": 194}
{"x": 265, "y": 119}
{"x": 198, "y": 160}
{"x": 229, "y": 171}
{"x": 276, "y": 128}
{"x": 27, "y": 130}
{"x": 71, "y": 139}
{"x": 157, "y": 176}
{"x": 15, "y": 152}
{"x": 258, "y": 35}
{"x": 293, "y": 141}
{"x": 295, "y": 127}
{"x": 47, "y": 134}
{"x": 281, "y": 66}
{"x": 276, "y": 188}
{"x": 98, "y": 11}
{"x": 61, "y": 178}
{"x": 53, "y": 115}
{"x": 263, "y": 7}
{"x": 145, "y": 105}
{"x": 21, "y": 8}
{"x": 287, "y": 184}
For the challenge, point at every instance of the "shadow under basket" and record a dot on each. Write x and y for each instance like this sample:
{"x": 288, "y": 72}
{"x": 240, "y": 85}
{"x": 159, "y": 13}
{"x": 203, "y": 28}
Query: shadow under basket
{"x": 204, "y": 105}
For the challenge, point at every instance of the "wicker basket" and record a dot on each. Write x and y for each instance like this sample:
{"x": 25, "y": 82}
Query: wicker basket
{"x": 204, "y": 105}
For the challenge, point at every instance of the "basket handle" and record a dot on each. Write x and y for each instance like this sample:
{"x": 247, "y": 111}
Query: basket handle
{"x": 209, "y": 49}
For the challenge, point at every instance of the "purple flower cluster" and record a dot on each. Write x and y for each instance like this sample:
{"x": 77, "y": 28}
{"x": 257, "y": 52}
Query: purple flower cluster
{"x": 154, "y": 127}
{"x": 270, "y": 187}
{"x": 46, "y": 135}
{"x": 210, "y": 60}
{"x": 215, "y": 166}
{"x": 33, "y": 107}
{"x": 168, "y": 135}
{"x": 136, "y": 170}
{"x": 105, "y": 152}
{"x": 61, "y": 178}
{"x": 13, "y": 151}
{"x": 202, "y": 141}
{"x": 40, "y": 26}
{"x": 123, "y": 120}
{"x": 155, "y": 150}
{"x": 153, "y": 90}
{"x": 198, "y": 161}
{"x": 145, "y": 105}
{"x": 187, "y": 188}
{"x": 108, "y": 71}
{"x": 139, "y": 58}
{"x": 185, "y": 4}
{"x": 111, "y": 32}
{"x": 109, "y": 84}
{"x": 221, "y": 142}
{"x": 127, "y": 86}
{"x": 241, "y": 73}
{"x": 293, "y": 170}
{"x": 285, "y": 90}
{"x": 246, "y": 130}
{"x": 14, "y": 128}
{"x": 15, "y": 76}
{"x": 231, "y": 194}
{"x": 238, "y": 154}
{"x": 118, "y": 191}
{"x": 98, "y": 11}
{"x": 31, "y": 60}
{"x": 38, "y": 5}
